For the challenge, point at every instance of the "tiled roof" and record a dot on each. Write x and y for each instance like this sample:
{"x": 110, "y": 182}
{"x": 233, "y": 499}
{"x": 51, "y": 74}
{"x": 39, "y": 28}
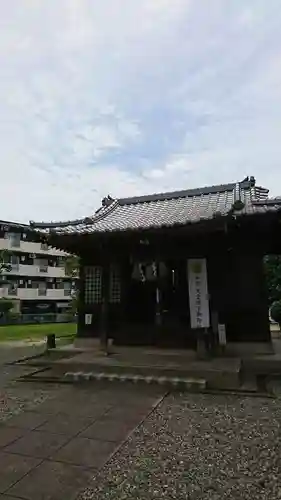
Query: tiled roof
{"x": 167, "y": 209}
{"x": 10, "y": 225}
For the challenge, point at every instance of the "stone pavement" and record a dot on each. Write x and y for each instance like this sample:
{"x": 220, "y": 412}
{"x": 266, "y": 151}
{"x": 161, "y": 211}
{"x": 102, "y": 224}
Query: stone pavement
{"x": 142, "y": 364}
{"x": 52, "y": 449}
{"x": 10, "y": 352}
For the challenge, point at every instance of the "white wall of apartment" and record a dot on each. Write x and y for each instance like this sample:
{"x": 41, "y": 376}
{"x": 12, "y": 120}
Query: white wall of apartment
{"x": 36, "y": 294}
{"x": 34, "y": 271}
{"x": 30, "y": 247}
{"x": 39, "y": 269}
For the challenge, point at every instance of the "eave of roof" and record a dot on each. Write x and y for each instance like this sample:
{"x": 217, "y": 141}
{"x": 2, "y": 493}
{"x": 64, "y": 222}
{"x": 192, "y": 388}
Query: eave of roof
{"x": 13, "y": 224}
{"x": 269, "y": 202}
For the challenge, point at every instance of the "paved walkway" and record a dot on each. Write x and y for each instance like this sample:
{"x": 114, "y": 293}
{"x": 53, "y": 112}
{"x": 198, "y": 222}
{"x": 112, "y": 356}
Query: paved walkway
{"x": 51, "y": 450}
{"x": 55, "y": 439}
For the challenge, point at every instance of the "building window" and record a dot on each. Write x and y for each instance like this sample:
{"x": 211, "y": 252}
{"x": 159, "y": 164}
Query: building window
{"x": 59, "y": 284}
{"x": 43, "y": 266}
{"x": 14, "y": 261}
{"x": 13, "y": 289}
{"x": 42, "y": 289}
{"x": 93, "y": 277}
{"x": 61, "y": 262}
{"x": 15, "y": 239}
{"x": 50, "y": 283}
{"x": 67, "y": 289}
{"x": 115, "y": 284}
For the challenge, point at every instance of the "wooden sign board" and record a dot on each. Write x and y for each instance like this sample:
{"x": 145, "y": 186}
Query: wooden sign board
{"x": 198, "y": 293}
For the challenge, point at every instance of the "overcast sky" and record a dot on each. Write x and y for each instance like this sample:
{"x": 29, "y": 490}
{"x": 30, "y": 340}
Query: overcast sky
{"x": 127, "y": 97}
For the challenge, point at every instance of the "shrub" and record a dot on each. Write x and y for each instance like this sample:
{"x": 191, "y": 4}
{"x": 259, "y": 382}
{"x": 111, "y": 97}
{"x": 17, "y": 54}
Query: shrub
{"x": 275, "y": 311}
{"x": 5, "y": 306}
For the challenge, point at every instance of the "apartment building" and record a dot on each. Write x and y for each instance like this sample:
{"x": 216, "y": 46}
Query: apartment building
{"x": 37, "y": 282}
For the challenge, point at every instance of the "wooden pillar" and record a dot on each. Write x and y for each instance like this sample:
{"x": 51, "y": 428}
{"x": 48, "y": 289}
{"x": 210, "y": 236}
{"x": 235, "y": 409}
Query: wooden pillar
{"x": 104, "y": 323}
{"x": 158, "y": 298}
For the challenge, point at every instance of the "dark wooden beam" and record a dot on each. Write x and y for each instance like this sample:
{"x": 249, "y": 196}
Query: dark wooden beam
{"x": 105, "y": 306}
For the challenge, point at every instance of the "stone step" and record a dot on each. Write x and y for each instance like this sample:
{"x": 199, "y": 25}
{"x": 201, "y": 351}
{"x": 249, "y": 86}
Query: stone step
{"x": 176, "y": 382}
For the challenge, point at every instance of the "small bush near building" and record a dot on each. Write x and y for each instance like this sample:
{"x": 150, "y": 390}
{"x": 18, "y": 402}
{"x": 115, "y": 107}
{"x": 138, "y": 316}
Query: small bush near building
{"x": 5, "y": 306}
{"x": 275, "y": 311}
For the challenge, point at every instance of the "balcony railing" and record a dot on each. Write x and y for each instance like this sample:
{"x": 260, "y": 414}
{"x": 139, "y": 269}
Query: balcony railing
{"x": 33, "y": 293}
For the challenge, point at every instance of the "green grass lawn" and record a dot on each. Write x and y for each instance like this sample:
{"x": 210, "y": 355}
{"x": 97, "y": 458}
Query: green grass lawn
{"x": 36, "y": 332}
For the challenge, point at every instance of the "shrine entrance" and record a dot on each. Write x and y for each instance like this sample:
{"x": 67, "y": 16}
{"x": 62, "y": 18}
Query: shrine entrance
{"x": 157, "y": 305}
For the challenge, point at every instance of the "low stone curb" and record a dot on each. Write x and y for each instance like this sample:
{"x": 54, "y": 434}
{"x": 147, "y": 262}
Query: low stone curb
{"x": 177, "y": 382}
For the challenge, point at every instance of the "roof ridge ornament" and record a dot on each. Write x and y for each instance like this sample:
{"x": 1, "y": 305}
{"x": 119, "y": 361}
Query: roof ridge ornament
{"x": 107, "y": 201}
{"x": 246, "y": 184}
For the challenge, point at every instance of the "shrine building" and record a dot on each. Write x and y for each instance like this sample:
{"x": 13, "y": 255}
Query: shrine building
{"x": 160, "y": 269}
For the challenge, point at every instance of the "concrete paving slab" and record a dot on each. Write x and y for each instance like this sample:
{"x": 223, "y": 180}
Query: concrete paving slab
{"x": 108, "y": 429}
{"x": 52, "y": 481}
{"x": 78, "y": 408}
{"x": 13, "y": 468}
{"x": 85, "y": 452}
{"x": 127, "y": 413}
{"x": 92, "y": 410}
{"x": 69, "y": 425}
{"x": 37, "y": 444}
{"x": 48, "y": 407}
{"x": 41, "y": 404}
{"x": 6, "y": 497}
{"x": 9, "y": 434}
{"x": 27, "y": 420}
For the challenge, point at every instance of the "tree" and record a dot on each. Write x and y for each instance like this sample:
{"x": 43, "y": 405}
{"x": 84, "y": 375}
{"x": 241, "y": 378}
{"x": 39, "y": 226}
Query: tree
{"x": 5, "y": 266}
{"x": 273, "y": 277}
{"x": 275, "y": 312}
{"x": 5, "y": 306}
{"x": 71, "y": 266}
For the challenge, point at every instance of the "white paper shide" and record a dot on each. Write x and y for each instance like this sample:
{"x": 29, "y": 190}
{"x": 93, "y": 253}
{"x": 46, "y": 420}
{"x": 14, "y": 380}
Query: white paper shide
{"x": 198, "y": 293}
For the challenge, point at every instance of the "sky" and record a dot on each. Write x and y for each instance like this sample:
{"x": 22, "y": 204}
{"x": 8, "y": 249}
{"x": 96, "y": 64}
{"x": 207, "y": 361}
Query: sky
{"x": 127, "y": 97}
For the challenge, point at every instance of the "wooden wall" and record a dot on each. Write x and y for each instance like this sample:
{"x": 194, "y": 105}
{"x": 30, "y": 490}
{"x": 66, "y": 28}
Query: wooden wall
{"x": 236, "y": 286}
{"x": 238, "y": 294}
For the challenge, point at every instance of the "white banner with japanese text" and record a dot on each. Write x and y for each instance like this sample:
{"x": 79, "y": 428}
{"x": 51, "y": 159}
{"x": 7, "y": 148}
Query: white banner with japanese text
{"x": 198, "y": 293}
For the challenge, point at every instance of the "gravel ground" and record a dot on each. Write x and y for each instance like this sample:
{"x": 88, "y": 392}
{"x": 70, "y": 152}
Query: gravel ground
{"x": 198, "y": 447}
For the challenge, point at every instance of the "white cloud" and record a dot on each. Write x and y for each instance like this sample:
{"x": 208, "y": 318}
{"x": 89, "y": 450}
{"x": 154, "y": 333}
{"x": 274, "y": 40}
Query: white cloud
{"x": 127, "y": 97}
